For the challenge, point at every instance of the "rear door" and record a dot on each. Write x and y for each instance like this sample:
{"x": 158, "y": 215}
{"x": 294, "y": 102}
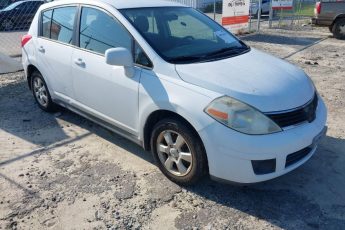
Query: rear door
{"x": 54, "y": 49}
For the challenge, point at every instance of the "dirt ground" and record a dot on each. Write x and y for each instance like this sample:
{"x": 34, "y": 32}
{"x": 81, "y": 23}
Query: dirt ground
{"x": 60, "y": 171}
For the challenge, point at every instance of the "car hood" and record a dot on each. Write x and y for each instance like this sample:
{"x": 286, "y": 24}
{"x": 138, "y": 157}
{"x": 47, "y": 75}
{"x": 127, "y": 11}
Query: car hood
{"x": 256, "y": 78}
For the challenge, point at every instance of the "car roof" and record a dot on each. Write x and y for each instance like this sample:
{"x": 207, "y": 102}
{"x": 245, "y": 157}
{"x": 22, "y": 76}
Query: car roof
{"x": 124, "y": 4}
{"x": 121, "y": 4}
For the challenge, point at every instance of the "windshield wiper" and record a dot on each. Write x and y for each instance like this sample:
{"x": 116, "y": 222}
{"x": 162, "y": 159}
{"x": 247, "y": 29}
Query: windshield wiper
{"x": 185, "y": 59}
{"x": 203, "y": 57}
{"x": 228, "y": 50}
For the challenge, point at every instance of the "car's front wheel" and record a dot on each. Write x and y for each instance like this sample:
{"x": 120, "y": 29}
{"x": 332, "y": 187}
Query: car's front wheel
{"x": 41, "y": 93}
{"x": 178, "y": 151}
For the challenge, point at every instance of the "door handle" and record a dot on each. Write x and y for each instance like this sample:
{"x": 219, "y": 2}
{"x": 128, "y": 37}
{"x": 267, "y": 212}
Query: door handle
{"x": 79, "y": 62}
{"x": 41, "y": 49}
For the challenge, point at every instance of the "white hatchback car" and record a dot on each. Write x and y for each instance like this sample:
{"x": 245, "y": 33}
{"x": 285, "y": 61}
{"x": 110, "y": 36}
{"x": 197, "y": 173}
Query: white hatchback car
{"x": 174, "y": 81}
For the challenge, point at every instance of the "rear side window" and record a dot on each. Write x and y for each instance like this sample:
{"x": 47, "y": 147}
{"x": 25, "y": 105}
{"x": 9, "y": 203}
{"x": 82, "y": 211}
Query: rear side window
{"x": 98, "y": 32}
{"x": 58, "y": 24}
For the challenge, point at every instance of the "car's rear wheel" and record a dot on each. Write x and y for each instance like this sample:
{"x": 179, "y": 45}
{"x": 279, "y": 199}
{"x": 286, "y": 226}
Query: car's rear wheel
{"x": 339, "y": 29}
{"x": 41, "y": 93}
{"x": 178, "y": 152}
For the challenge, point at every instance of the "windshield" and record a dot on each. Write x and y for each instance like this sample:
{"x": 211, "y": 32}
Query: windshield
{"x": 184, "y": 35}
{"x": 12, "y": 6}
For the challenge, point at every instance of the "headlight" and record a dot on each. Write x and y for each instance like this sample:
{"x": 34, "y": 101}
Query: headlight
{"x": 241, "y": 117}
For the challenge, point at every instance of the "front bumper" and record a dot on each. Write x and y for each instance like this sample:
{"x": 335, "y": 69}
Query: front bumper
{"x": 230, "y": 153}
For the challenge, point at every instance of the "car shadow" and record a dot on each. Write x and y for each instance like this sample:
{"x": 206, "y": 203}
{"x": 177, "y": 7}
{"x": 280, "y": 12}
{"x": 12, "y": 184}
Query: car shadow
{"x": 21, "y": 117}
{"x": 281, "y": 40}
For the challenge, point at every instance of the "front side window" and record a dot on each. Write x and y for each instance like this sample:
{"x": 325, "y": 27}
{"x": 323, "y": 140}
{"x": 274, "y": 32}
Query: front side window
{"x": 57, "y": 24}
{"x": 98, "y": 32}
{"x": 184, "y": 35}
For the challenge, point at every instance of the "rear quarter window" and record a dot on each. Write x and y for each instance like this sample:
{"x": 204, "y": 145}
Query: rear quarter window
{"x": 46, "y": 23}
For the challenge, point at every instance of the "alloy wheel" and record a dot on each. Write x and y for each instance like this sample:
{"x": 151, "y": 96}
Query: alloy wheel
{"x": 174, "y": 153}
{"x": 40, "y": 92}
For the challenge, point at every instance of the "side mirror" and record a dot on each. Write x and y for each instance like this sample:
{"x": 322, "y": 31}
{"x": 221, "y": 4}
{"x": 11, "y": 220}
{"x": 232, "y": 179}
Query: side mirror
{"x": 120, "y": 57}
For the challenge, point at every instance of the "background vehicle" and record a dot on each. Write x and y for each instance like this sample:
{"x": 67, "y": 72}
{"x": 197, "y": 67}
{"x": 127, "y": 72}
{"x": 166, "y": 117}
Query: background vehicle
{"x": 331, "y": 13}
{"x": 5, "y": 3}
{"x": 254, "y": 7}
{"x": 18, "y": 15}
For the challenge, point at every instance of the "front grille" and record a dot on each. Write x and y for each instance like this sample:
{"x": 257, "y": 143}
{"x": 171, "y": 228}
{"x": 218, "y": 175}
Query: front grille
{"x": 300, "y": 115}
{"x": 297, "y": 156}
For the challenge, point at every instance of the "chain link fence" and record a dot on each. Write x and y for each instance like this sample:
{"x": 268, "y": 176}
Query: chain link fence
{"x": 15, "y": 20}
{"x": 16, "y": 16}
{"x": 299, "y": 16}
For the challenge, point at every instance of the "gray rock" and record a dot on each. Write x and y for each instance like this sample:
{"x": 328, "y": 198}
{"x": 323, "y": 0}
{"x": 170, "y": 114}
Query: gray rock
{"x": 99, "y": 215}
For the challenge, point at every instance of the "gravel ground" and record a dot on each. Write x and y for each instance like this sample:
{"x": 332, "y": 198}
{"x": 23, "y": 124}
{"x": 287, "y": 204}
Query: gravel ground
{"x": 60, "y": 171}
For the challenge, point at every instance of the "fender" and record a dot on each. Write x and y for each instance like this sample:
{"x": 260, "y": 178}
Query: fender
{"x": 158, "y": 94}
{"x": 337, "y": 17}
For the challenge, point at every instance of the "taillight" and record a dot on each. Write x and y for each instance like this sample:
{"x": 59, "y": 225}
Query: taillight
{"x": 25, "y": 39}
{"x": 318, "y": 8}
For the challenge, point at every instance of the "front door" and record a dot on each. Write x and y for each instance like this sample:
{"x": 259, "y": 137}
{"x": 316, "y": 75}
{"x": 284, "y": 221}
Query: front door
{"x": 99, "y": 88}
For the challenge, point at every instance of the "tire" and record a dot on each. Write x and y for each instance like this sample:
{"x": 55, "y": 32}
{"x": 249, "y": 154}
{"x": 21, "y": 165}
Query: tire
{"x": 41, "y": 93}
{"x": 339, "y": 29}
{"x": 172, "y": 137}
